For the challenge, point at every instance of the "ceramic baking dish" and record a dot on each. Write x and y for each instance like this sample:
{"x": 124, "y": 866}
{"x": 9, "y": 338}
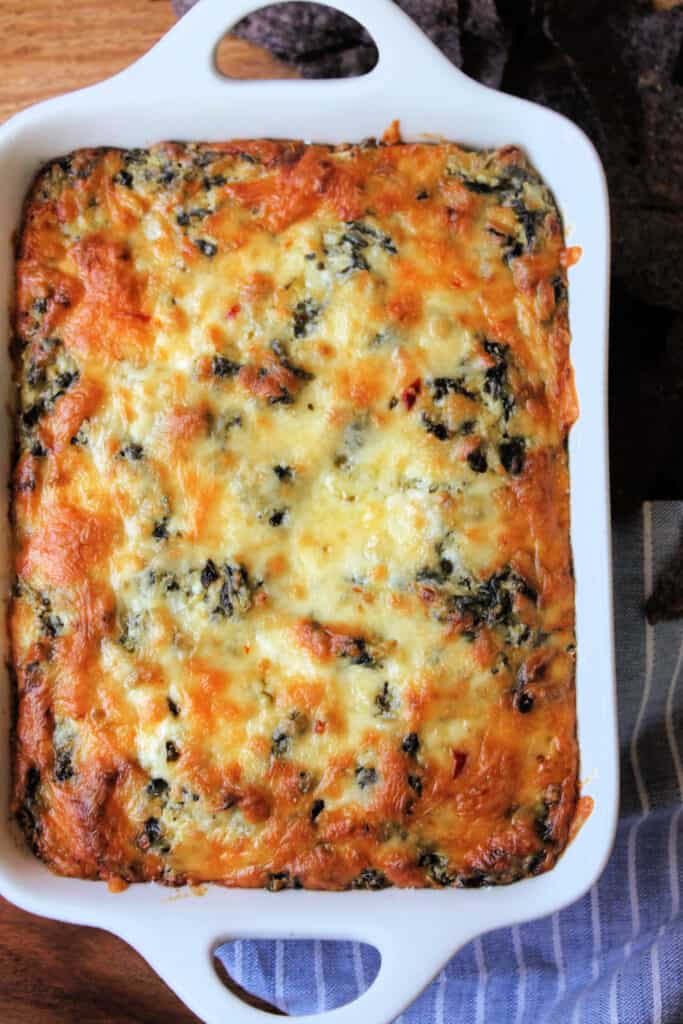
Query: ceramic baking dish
{"x": 174, "y": 92}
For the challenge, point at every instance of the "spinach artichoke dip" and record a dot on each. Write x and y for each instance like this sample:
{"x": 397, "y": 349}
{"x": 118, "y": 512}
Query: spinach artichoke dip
{"x": 294, "y": 603}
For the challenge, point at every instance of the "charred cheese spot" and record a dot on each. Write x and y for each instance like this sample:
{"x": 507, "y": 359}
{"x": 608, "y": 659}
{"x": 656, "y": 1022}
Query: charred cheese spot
{"x": 294, "y": 601}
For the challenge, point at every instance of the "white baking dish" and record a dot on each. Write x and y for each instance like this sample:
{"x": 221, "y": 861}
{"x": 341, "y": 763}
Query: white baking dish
{"x": 174, "y": 92}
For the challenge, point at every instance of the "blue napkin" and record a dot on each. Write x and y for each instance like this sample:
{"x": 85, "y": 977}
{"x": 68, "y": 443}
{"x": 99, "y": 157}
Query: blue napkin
{"x": 615, "y": 956}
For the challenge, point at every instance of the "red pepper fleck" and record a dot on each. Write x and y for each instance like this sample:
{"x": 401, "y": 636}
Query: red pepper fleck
{"x": 427, "y": 593}
{"x": 459, "y": 759}
{"x": 233, "y": 311}
{"x": 409, "y": 396}
{"x": 319, "y": 726}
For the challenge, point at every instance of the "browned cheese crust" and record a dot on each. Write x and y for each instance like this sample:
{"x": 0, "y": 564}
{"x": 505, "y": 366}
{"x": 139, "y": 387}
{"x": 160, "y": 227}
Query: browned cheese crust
{"x": 294, "y": 601}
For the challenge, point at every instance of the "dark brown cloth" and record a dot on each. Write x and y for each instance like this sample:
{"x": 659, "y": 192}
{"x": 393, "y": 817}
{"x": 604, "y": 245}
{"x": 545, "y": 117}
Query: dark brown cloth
{"x": 615, "y": 67}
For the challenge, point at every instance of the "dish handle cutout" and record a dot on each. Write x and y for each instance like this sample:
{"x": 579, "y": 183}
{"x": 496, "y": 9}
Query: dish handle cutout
{"x": 189, "y": 50}
{"x": 410, "y": 956}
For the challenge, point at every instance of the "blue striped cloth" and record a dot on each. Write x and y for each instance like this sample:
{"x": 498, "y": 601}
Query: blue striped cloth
{"x": 616, "y": 955}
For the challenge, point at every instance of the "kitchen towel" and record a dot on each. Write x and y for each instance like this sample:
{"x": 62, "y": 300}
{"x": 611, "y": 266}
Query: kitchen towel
{"x": 615, "y": 956}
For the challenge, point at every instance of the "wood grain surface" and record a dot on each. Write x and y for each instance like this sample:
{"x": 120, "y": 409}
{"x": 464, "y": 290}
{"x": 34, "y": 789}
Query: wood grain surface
{"x": 52, "y": 973}
{"x": 49, "y": 47}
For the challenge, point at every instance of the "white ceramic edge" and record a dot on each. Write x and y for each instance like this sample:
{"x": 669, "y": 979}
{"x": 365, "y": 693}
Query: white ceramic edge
{"x": 174, "y": 92}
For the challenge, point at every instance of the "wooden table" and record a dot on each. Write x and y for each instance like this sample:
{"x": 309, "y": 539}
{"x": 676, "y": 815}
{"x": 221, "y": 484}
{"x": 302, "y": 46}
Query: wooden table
{"x": 52, "y": 973}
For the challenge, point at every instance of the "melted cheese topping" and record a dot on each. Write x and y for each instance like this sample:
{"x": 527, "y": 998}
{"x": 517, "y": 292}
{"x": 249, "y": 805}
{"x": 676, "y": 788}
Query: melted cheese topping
{"x": 294, "y": 599}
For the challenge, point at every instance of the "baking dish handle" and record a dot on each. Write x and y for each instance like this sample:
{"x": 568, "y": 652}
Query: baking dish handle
{"x": 410, "y": 957}
{"x": 188, "y": 50}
